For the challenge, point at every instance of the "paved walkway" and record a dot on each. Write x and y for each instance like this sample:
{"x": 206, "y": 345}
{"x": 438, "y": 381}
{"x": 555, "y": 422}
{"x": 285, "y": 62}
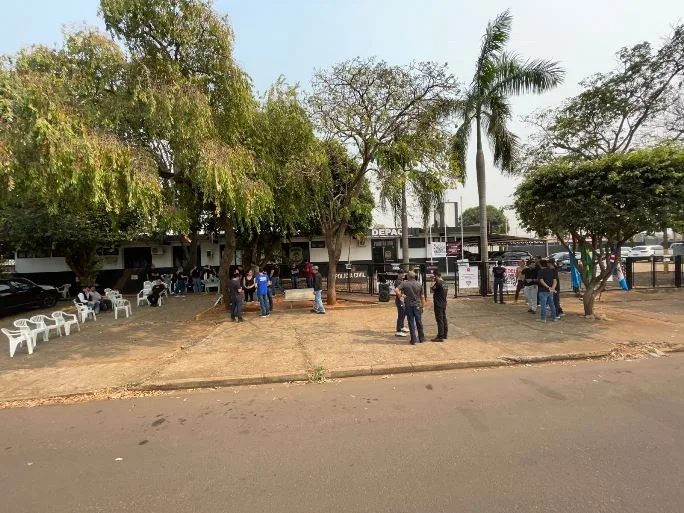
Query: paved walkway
{"x": 183, "y": 344}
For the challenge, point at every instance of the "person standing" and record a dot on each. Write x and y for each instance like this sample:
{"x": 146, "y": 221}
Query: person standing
{"x": 439, "y": 300}
{"x": 556, "y": 296}
{"x": 181, "y": 278}
{"x": 530, "y": 279}
{"x": 262, "y": 284}
{"x": 275, "y": 278}
{"x": 236, "y": 301}
{"x": 294, "y": 273}
{"x": 249, "y": 287}
{"x": 547, "y": 288}
{"x": 414, "y": 299}
{"x": 196, "y": 275}
{"x": 520, "y": 280}
{"x": 499, "y": 272}
{"x": 317, "y": 283}
{"x": 309, "y": 274}
{"x": 401, "y": 308}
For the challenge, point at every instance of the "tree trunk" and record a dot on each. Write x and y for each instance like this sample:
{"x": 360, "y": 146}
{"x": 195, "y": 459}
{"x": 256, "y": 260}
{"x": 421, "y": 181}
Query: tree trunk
{"x": 588, "y": 299}
{"x": 333, "y": 243}
{"x": 666, "y": 241}
{"x": 227, "y": 259}
{"x": 84, "y": 262}
{"x": 482, "y": 194}
{"x": 404, "y": 230}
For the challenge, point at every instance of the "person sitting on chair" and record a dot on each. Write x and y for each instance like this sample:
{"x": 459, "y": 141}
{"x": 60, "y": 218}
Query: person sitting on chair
{"x": 157, "y": 289}
{"x": 84, "y": 299}
{"x": 95, "y": 296}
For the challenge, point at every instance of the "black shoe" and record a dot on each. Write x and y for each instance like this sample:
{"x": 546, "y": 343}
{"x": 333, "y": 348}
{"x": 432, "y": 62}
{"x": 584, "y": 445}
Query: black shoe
{"x": 413, "y": 342}
{"x": 241, "y": 319}
{"x": 421, "y": 341}
{"x": 437, "y": 339}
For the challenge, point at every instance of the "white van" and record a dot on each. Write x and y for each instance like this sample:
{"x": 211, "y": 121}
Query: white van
{"x": 646, "y": 251}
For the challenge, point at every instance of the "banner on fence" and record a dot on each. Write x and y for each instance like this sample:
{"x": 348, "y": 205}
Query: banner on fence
{"x": 468, "y": 277}
{"x": 439, "y": 249}
{"x": 453, "y": 249}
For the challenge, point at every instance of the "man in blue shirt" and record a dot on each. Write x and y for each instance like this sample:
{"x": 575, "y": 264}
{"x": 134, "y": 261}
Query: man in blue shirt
{"x": 263, "y": 283}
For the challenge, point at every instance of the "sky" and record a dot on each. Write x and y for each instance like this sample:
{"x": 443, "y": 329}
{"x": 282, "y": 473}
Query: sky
{"x": 293, "y": 38}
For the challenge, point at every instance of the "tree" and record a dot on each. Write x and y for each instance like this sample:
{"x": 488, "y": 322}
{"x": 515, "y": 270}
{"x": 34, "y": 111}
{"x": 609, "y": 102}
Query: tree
{"x": 63, "y": 165}
{"x": 602, "y": 203}
{"x": 192, "y": 106}
{"x": 498, "y": 75}
{"x": 496, "y": 218}
{"x": 419, "y": 165}
{"x": 365, "y": 104}
{"x": 636, "y": 104}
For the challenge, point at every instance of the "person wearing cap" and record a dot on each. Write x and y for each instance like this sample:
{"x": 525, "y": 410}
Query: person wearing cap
{"x": 318, "y": 291}
{"x": 414, "y": 299}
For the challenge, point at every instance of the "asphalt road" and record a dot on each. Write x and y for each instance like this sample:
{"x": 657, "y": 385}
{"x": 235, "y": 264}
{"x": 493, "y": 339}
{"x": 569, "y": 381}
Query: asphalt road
{"x": 591, "y": 437}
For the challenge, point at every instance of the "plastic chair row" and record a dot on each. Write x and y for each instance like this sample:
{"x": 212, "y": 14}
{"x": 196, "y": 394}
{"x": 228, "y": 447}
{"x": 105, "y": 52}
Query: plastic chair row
{"x": 29, "y": 329}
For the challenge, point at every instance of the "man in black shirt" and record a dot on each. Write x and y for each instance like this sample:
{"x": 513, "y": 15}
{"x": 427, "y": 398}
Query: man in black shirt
{"x": 499, "y": 272}
{"x": 556, "y": 296}
{"x": 439, "y": 299}
{"x": 236, "y": 302}
{"x": 547, "y": 288}
{"x": 530, "y": 279}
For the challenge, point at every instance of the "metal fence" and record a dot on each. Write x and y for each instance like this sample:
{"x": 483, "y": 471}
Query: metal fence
{"x": 654, "y": 272}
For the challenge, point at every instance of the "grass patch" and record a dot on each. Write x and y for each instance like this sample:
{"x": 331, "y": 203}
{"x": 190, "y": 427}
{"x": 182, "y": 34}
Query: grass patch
{"x": 317, "y": 374}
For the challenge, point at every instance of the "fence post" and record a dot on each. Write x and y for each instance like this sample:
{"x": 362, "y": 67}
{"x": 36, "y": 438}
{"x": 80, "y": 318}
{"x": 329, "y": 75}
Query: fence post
{"x": 678, "y": 271}
{"x": 653, "y": 272}
{"x": 629, "y": 272}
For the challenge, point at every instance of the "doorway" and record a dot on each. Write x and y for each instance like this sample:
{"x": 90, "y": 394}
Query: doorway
{"x": 137, "y": 258}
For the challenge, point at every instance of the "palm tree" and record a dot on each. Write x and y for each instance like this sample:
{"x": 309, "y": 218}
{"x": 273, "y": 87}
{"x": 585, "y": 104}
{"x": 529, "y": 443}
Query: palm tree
{"x": 498, "y": 75}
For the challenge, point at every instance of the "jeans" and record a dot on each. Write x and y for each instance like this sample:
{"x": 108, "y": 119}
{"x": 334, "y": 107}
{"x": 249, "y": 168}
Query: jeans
{"x": 294, "y": 282}
{"x": 498, "y": 289}
{"x": 236, "y": 305}
{"x": 442, "y": 323}
{"x": 197, "y": 284}
{"x": 415, "y": 320}
{"x": 263, "y": 303}
{"x": 401, "y": 315}
{"x": 520, "y": 286}
{"x": 546, "y": 299}
{"x": 531, "y": 296}
{"x": 556, "y": 303}
{"x": 94, "y": 306}
{"x": 318, "y": 301}
{"x": 180, "y": 287}
{"x": 270, "y": 298}
{"x": 276, "y": 284}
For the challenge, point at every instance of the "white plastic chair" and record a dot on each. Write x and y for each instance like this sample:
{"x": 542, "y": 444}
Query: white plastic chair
{"x": 84, "y": 311}
{"x": 64, "y": 290}
{"x": 23, "y": 325}
{"x": 147, "y": 285}
{"x": 18, "y": 338}
{"x": 66, "y": 320}
{"x": 49, "y": 323}
{"x": 142, "y": 296}
{"x": 121, "y": 304}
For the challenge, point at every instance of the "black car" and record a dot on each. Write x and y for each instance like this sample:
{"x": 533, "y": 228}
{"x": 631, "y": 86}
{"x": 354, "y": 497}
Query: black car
{"x": 20, "y": 294}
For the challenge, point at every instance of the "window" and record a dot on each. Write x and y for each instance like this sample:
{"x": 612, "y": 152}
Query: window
{"x": 20, "y": 285}
{"x": 4, "y": 287}
{"x": 416, "y": 242}
{"x": 317, "y": 244}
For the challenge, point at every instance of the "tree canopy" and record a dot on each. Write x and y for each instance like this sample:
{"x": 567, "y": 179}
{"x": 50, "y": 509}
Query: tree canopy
{"x": 603, "y": 202}
{"x": 495, "y": 217}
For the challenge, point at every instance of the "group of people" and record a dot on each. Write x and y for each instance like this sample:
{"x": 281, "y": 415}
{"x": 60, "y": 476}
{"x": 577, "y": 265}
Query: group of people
{"x": 309, "y": 274}
{"x": 183, "y": 281}
{"x": 90, "y": 297}
{"x": 410, "y": 303}
{"x": 540, "y": 283}
{"x": 265, "y": 284}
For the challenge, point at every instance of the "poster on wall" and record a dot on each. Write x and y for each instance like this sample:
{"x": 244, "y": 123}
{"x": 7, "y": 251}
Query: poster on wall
{"x": 453, "y": 249}
{"x": 439, "y": 249}
{"x": 468, "y": 277}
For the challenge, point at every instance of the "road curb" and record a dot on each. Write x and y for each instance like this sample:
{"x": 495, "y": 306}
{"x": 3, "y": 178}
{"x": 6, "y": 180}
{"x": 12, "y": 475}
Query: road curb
{"x": 556, "y": 357}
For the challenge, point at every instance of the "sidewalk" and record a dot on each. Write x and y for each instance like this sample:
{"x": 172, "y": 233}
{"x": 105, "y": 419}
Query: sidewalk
{"x": 178, "y": 346}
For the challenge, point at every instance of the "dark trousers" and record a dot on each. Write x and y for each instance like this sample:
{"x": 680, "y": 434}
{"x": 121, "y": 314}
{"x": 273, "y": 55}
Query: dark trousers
{"x": 518, "y": 288}
{"x": 442, "y": 323}
{"x": 249, "y": 295}
{"x": 401, "y": 315}
{"x": 498, "y": 288}
{"x": 309, "y": 282}
{"x": 415, "y": 321}
{"x": 236, "y": 304}
{"x": 556, "y": 302}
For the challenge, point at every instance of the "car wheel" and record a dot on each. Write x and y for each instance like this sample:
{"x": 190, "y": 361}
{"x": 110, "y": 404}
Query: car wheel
{"x": 49, "y": 301}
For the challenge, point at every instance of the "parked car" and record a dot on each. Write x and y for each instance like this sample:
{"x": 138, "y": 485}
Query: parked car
{"x": 564, "y": 261}
{"x": 508, "y": 256}
{"x": 625, "y": 251}
{"x": 646, "y": 251}
{"x": 20, "y": 294}
{"x": 677, "y": 248}
{"x": 558, "y": 255}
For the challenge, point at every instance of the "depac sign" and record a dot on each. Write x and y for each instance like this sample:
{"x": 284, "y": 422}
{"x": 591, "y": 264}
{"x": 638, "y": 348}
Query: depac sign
{"x": 390, "y": 233}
